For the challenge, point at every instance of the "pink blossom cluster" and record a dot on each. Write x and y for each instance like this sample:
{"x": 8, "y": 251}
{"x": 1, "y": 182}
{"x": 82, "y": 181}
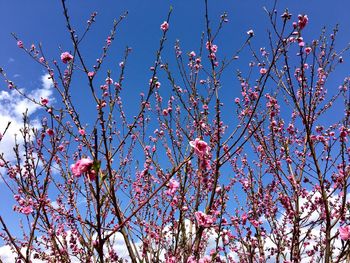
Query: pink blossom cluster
{"x": 200, "y": 147}
{"x": 173, "y": 186}
{"x": 83, "y": 165}
{"x": 344, "y": 232}
{"x": 302, "y": 21}
{"x": 203, "y": 219}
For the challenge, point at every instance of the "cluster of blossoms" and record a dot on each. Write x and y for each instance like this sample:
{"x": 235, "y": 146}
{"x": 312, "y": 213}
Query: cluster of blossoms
{"x": 84, "y": 165}
{"x": 344, "y": 232}
{"x": 201, "y": 149}
{"x": 203, "y": 219}
{"x": 302, "y": 21}
{"x": 173, "y": 186}
{"x": 213, "y": 49}
{"x": 194, "y": 62}
{"x": 25, "y": 206}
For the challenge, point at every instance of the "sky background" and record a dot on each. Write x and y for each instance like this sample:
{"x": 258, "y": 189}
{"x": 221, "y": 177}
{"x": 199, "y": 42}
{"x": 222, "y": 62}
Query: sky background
{"x": 42, "y": 21}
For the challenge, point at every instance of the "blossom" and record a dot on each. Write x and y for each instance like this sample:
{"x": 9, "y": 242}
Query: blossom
{"x": 344, "y": 232}
{"x": 81, "y": 166}
{"x": 19, "y": 44}
{"x": 201, "y": 148}
{"x": 302, "y": 21}
{"x": 250, "y": 32}
{"x": 192, "y": 54}
{"x": 308, "y": 50}
{"x": 173, "y": 186}
{"x": 263, "y": 71}
{"x": 66, "y": 57}
{"x": 204, "y": 219}
{"x": 44, "y": 101}
{"x": 50, "y": 132}
{"x": 164, "y": 26}
{"x": 27, "y": 210}
{"x": 82, "y": 132}
{"x": 109, "y": 81}
{"x": 91, "y": 74}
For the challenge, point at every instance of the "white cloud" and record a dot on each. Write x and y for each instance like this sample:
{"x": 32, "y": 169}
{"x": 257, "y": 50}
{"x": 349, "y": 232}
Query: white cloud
{"x": 13, "y": 105}
{"x": 7, "y": 255}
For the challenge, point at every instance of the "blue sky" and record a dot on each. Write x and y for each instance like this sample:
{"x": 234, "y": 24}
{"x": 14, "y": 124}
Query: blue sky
{"x": 43, "y": 21}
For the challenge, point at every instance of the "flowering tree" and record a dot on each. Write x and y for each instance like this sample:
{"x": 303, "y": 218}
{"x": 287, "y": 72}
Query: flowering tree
{"x": 179, "y": 182}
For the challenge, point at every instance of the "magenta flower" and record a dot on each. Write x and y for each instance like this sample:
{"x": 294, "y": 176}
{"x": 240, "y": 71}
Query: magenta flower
{"x": 44, "y": 101}
{"x": 201, "y": 148}
{"x": 164, "y": 26}
{"x": 308, "y": 50}
{"x": 204, "y": 219}
{"x": 344, "y": 232}
{"x": 302, "y": 21}
{"x": 50, "y": 132}
{"x": 66, "y": 57}
{"x": 82, "y": 132}
{"x": 81, "y": 166}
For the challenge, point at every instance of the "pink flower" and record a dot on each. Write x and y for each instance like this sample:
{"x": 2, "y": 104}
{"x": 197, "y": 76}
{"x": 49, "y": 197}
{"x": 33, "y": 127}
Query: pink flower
{"x": 41, "y": 59}
{"x": 204, "y": 219}
{"x": 109, "y": 81}
{"x": 173, "y": 186}
{"x": 164, "y": 26}
{"x": 302, "y": 21}
{"x": 201, "y": 148}
{"x": 27, "y": 210}
{"x": 91, "y": 74}
{"x": 19, "y": 44}
{"x": 205, "y": 165}
{"x": 192, "y": 54}
{"x": 308, "y": 50}
{"x": 66, "y": 57}
{"x": 171, "y": 260}
{"x": 44, "y": 101}
{"x": 214, "y": 48}
{"x": 82, "y": 132}
{"x": 344, "y": 232}
{"x": 50, "y": 132}
{"x": 81, "y": 166}
{"x": 263, "y": 71}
